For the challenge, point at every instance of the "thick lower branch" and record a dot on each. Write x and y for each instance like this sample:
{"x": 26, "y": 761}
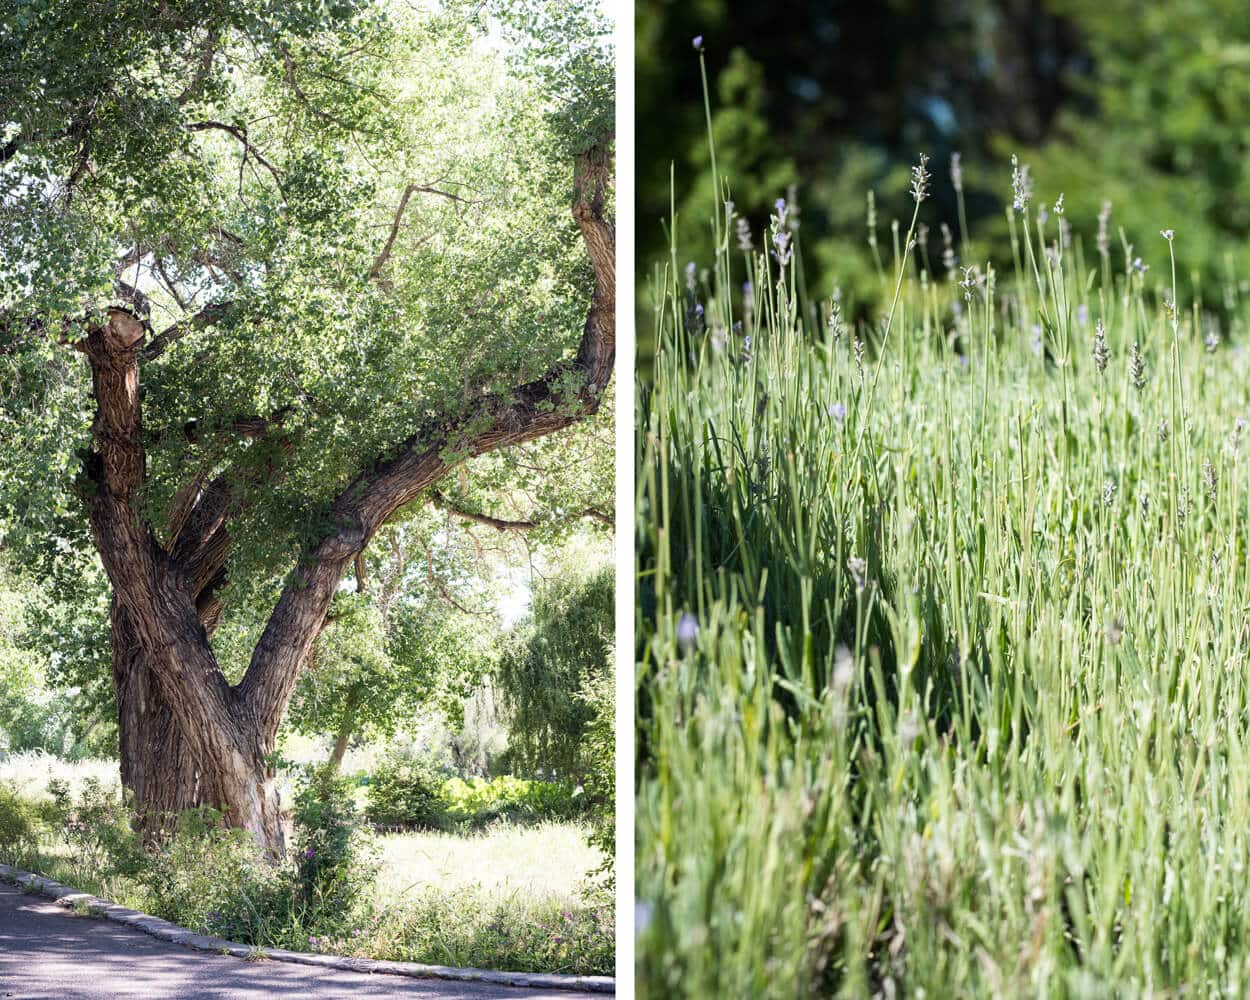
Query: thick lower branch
{"x": 566, "y": 393}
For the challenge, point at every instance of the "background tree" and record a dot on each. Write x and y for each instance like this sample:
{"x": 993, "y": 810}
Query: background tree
{"x": 266, "y": 278}
{"x": 552, "y": 670}
{"x": 391, "y": 652}
{"x": 1122, "y": 102}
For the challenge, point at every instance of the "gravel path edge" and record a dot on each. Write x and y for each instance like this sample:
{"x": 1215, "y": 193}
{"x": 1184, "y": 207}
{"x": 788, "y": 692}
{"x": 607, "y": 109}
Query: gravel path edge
{"x": 163, "y": 929}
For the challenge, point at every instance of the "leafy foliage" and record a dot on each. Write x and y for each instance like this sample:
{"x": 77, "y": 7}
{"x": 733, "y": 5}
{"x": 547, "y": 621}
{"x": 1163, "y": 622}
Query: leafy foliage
{"x": 408, "y": 791}
{"x": 21, "y": 826}
{"x": 333, "y": 868}
{"x": 1109, "y": 101}
{"x": 95, "y": 828}
{"x": 403, "y": 790}
{"x": 208, "y": 877}
{"x": 599, "y": 747}
{"x": 235, "y": 176}
{"x": 478, "y": 801}
{"x": 563, "y": 649}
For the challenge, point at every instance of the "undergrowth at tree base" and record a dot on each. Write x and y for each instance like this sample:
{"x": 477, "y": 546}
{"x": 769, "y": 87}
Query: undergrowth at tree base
{"x": 321, "y": 897}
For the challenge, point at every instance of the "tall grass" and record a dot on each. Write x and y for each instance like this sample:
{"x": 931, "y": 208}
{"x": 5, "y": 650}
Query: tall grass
{"x": 29, "y": 772}
{"x": 942, "y": 631}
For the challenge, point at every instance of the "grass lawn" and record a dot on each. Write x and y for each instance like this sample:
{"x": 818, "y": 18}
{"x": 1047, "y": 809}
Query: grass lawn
{"x": 549, "y": 860}
{"x": 28, "y": 774}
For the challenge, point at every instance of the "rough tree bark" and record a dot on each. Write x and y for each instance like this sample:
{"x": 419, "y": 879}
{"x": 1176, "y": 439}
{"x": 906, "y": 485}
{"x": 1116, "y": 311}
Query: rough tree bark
{"x": 188, "y": 737}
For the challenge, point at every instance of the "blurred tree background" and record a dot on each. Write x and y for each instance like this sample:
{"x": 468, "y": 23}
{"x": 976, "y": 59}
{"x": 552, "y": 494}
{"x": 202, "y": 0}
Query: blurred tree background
{"x": 1142, "y": 105}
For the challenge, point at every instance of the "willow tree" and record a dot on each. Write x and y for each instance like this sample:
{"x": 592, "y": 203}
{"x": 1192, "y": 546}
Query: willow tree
{"x": 268, "y": 274}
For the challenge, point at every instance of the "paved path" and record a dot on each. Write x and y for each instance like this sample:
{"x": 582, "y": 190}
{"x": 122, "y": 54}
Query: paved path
{"x": 48, "y": 952}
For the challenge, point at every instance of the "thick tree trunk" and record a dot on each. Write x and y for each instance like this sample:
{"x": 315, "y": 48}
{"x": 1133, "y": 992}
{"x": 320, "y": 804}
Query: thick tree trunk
{"x": 161, "y": 767}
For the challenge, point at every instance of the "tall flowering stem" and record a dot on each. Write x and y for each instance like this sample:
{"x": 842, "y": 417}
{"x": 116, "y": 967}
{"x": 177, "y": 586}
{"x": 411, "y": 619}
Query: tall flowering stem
{"x": 920, "y": 179}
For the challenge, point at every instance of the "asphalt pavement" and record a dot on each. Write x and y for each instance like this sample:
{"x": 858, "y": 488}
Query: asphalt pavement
{"x": 49, "y": 952}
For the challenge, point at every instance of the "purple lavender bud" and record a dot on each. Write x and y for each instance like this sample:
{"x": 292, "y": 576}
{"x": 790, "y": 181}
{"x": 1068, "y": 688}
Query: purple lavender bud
{"x": 687, "y": 631}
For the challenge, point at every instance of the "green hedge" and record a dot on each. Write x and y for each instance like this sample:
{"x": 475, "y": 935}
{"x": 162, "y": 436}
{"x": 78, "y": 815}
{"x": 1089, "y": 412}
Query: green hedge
{"x": 408, "y": 793}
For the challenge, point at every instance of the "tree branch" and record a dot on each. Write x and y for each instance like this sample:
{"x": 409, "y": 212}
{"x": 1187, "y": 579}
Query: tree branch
{"x": 501, "y": 524}
{"x": 210, "y": 315}
{"x": 288, "y": 64}
{"x": 569, "y": 391}
{"x": 202, "y": 70}
{"x": 241, "y": 135}
{"x": 409, "y": 190}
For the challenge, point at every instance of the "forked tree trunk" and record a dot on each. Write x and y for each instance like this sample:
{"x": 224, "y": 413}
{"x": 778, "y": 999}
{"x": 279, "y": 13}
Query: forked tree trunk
{"x": 161, "y": 767}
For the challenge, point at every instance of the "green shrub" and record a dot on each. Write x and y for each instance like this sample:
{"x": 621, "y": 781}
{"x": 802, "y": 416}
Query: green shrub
{"x": 405, "y": 792}
{"x": 409, "y": 792}
{"x": 600, "y": 787}
{"x": 20, "y": 825}
{"x": 95, "y": 827}
{"x": 333, "y": 867}
{"x": 477, "y": 802}
{"x": 210, "y": 878}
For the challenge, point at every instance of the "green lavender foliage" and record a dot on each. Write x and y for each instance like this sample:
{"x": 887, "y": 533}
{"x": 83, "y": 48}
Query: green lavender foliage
{"x": 941, "y": 632}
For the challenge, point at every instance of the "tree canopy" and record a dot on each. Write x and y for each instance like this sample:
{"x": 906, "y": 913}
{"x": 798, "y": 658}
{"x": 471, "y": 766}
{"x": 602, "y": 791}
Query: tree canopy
{"x": 1135, "y": 104}
{"x": 341, "y": 218}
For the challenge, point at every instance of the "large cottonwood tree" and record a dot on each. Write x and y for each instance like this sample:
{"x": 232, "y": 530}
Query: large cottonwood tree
{"x": 269, "y": 272}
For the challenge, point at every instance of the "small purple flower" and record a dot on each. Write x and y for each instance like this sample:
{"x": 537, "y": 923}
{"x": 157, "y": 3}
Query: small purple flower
{"x": 687, "y": 631}
{"x": 781, "y": 240}
{"x": 837, "y": 411}
{"x": 1082, "y": 314}
{"x": 1139, "y": 267}
{"x": 309, "y": 853}
{"x": 697, "y": 42}
{"x": 568, "y": 916}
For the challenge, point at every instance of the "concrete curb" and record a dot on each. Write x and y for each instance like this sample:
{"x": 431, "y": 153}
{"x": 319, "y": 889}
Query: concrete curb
{"x": 163, "y": 929}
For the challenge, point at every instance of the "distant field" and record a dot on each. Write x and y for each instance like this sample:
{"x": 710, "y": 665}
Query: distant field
{"x": 547, "y": 860}
{"x": 29, "y": 773}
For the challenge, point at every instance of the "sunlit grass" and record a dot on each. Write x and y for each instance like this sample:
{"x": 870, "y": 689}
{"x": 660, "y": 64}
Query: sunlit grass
{"x": 29, "y": 773}
{"x": 550, "y": 860}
